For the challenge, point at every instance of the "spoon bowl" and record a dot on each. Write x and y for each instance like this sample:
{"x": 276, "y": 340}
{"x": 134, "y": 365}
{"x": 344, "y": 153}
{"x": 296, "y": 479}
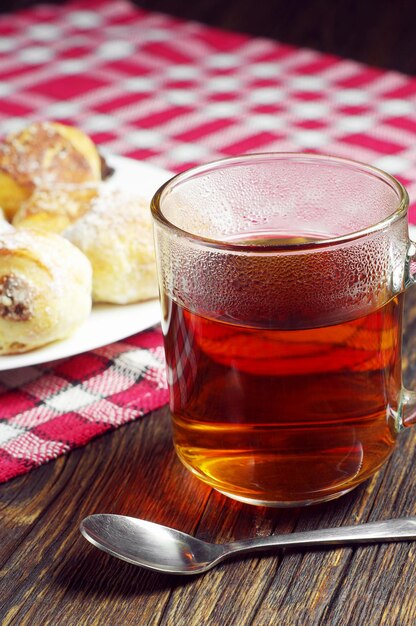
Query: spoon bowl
{"x": 170, "y": 551}
{"x": 151, "y": 545}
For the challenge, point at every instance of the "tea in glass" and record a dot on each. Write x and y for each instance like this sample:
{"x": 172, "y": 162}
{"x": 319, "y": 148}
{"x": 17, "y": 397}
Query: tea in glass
{"x": 281, "y": 281}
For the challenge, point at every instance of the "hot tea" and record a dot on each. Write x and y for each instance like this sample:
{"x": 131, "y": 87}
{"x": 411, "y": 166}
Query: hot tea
{"x": 273, "y": 415}
{"x": 282, "y": 279}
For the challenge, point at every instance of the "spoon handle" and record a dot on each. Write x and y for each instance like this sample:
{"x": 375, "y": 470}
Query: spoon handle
{"x": 387, "y": 530}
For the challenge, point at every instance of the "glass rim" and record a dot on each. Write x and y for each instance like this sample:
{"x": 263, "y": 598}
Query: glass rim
{"x": 399, "y": 212}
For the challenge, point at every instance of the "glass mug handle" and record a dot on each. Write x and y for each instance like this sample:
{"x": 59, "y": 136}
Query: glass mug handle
{"x": 406, "y": 414}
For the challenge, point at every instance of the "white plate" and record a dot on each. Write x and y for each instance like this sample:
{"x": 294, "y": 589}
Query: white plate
{"x": 107, "y": 322}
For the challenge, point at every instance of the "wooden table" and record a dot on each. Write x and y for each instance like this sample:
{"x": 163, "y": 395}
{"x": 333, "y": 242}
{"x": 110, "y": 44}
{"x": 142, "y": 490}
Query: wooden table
{"x": 53, "y": 576}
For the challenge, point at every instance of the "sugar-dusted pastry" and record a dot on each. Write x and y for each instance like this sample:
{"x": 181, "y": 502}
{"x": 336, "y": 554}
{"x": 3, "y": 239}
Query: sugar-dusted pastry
{"x": 55, "y": 208}
{"x": 44, "y": 153}
{"x": 4, "y": 224}
{"x": 45, "y": 289}
{"x": 116, "y": 235}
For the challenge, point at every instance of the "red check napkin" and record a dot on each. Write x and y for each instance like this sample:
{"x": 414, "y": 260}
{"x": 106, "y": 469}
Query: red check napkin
{"x": 175, "y": 93}
{"x": 49, "y": 409}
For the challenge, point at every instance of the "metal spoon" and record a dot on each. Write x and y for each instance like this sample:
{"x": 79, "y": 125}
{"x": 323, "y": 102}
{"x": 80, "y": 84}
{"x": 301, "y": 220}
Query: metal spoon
{"x": 167, "y": 550}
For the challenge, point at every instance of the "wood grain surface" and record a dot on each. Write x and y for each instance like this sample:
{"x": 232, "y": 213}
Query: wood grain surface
{"x": 51, "y": 575}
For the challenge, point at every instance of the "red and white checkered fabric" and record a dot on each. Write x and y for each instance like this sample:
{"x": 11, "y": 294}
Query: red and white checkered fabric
{"x": 48, "y": 409}
{"x": 176, "y": 93}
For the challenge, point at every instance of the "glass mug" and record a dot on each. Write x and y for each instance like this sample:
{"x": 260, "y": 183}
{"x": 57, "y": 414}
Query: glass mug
{"x": 282, "y": 279}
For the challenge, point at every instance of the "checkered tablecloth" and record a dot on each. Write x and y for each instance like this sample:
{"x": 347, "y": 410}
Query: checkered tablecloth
{"x": 149, "y": 86}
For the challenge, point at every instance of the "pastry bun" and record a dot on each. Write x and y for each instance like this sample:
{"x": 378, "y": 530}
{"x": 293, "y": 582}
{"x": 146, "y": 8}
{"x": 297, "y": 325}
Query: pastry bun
{"x": 44, "y": 153}
{"x": 55, "y": 208}
{"x": 4, "y": 224}
{"x": 116, "y": 235}
{"x": 45, "y": 289}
